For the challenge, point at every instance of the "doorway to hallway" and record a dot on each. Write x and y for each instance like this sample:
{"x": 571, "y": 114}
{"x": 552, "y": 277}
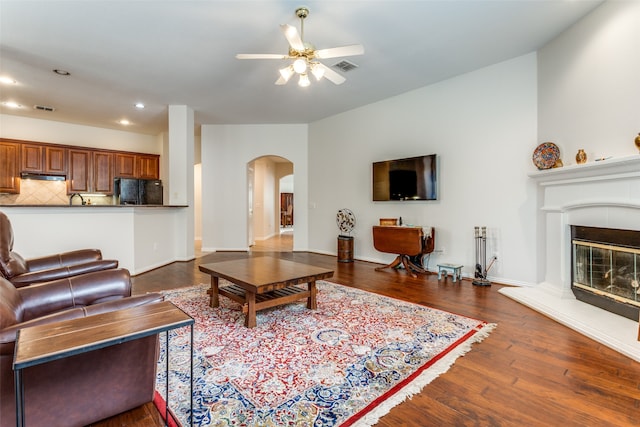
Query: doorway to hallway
{"x": 271, "y": 212}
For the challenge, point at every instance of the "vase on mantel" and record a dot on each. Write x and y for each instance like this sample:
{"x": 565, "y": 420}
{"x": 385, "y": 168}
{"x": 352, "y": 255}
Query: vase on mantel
{"x": 581, "y": 157}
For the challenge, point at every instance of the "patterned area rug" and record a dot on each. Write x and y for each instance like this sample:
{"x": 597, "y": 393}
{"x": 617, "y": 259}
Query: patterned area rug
{"x": 345, "y": 364}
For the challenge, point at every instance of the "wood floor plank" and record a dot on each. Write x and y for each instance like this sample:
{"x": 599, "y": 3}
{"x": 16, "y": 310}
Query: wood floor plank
{"x": 530, "y": 371}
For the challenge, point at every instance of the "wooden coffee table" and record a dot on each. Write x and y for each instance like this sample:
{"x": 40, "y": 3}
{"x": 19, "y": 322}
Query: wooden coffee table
{"x": 263, "y": 282}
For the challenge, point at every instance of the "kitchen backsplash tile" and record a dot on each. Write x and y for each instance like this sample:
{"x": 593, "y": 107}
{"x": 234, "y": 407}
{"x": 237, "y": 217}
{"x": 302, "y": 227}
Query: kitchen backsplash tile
{"x": 34, "y": 192}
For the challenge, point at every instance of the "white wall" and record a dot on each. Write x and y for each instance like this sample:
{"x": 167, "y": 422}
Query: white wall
{"x": 226, "y": 151}
{"x": 286, "y": 184}
{"x": 264, "y": 208}
{"x": 589, "y": 79}
{"x": 482, "y": 126}
{"x": 25, "y": 128}
{"x": 581, "y": 92}
{"x": 197, "y": 201}
{"x": 589, "y": 88}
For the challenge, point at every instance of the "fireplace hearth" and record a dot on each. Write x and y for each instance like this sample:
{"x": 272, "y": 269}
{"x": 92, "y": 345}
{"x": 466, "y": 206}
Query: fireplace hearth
{"x": 604, "y": 194}
{"x": 606, "y": 269}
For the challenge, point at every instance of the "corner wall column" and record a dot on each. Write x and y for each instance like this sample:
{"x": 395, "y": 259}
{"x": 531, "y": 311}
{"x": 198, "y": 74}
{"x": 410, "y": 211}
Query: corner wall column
{"x": 180, "y": 152}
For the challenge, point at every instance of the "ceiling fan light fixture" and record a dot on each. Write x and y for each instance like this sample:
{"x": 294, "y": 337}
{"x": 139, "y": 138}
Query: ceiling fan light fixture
{"x": 317, "y": 71}
{"x": 286, "y": 72}
{"x": 300, "y": 66}
{"x": 303, "y": 56}
{"x": 7, "y": 80}
{"x": 304, "y": 80}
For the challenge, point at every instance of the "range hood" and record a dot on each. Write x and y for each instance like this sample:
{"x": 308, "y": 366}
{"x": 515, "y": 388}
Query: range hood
{"x": 42, "y": 177}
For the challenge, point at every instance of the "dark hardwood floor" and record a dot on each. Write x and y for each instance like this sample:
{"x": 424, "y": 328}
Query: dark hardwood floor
{"x": 531, "y": 371}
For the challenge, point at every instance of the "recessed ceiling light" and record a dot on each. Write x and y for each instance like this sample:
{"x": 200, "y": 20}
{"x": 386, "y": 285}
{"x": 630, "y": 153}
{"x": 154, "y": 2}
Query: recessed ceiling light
{"x": 11, "y": 104}
{"x": 60, "y": 72}
{"x": 7, "y": 80}
{"x": 124, "y": 122}
{"x": 139, "y": 105}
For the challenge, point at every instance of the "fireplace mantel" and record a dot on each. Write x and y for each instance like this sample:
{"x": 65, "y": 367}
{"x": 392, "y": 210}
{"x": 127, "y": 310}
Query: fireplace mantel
{"x": 614, "y": 168}
{"x": 603, "y": 193}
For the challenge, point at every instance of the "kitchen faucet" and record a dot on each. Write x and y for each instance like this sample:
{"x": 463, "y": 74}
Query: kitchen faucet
{"x": 74, "y": 195}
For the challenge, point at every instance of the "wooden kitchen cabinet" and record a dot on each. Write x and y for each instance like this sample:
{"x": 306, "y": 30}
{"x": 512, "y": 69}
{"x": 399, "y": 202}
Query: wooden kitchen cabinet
{"x": 41, "y": 158}
{"x": 87, "y": 170}
{"x": 133, "y": 165}
{"x": 126, "y": 165}
{"x": 79, "y": 172}
{"x": 103, "y": 168}
{"x": 32, "y": 159}
{"x": 55, "y": 160}
{"x": 90, "y": 171}
{"x": 9, "y": 167}
{"x": 148, "y": 166}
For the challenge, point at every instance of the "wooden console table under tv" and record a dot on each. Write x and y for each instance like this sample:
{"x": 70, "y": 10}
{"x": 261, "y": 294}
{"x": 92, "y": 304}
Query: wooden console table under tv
{"x": 406, "y": 242}
{"x": 45, "y": 343}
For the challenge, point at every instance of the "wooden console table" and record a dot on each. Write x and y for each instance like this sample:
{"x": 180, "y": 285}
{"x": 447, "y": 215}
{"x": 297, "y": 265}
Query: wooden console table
{"x": 406, "y": 242}
{"x": 45, "y": 343}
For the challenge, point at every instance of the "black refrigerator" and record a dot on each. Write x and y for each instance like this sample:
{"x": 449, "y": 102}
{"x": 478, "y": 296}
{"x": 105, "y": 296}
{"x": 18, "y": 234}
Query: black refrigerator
{"x": 138, "y": 191}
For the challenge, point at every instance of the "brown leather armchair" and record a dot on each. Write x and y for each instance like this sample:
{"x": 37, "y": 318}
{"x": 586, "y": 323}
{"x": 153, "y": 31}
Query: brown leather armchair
{"x": 84, "y": 388}
{"x": 21, "y": 272}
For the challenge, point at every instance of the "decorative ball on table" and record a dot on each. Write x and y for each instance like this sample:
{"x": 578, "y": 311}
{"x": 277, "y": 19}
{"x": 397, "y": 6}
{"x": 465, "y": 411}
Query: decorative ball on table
{"x": 346, "y": 221}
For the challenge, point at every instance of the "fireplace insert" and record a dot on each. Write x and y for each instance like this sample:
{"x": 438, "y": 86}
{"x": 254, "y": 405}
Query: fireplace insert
{"x": 606, "y": 269}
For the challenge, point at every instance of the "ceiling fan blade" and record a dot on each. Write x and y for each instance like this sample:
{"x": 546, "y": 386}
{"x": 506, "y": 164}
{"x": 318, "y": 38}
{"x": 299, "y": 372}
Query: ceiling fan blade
{"x": 331, "y": 75}
{"x": 292, "y": 36}
{"x": 335, "y": 52}
{"x": 261, "y": 56}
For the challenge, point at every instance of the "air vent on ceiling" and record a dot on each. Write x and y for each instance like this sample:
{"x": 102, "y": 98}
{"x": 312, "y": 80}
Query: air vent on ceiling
{"x": 43, "y": 108}
{"x": 345, "y": 65}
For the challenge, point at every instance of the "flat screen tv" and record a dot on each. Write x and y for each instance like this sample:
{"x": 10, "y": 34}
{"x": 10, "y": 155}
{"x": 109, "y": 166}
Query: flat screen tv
{"x": 413, "y": 178}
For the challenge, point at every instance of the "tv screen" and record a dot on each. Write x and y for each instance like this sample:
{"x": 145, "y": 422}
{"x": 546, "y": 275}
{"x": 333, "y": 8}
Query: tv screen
{"x": 413, "y": 178}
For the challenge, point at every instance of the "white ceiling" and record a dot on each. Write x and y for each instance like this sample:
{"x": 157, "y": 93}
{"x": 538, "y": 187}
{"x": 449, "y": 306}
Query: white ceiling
{"x": 183, "y": 52}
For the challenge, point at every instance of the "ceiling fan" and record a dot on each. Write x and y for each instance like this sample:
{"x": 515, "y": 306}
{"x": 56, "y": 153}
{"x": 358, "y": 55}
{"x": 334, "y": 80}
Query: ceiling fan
{"x": 304, "y": 56}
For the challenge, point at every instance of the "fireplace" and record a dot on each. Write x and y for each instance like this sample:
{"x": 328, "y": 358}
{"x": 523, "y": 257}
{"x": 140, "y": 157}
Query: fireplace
{"x": 606, "y": 268}
{"x": 600, "y": 195}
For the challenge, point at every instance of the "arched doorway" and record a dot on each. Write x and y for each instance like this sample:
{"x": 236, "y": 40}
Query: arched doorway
{"x": 265, "y": 214}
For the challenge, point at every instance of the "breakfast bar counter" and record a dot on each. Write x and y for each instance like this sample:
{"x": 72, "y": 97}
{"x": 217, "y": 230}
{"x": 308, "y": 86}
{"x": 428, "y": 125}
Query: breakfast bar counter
{"x": 140, "y": 237}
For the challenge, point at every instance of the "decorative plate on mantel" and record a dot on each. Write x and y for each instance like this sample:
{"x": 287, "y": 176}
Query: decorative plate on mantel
{"x": 546, "y": 155}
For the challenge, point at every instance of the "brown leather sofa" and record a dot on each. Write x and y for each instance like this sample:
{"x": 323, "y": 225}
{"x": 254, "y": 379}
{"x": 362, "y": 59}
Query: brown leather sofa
{"x": 84, "y": 388}
{"x": 21, "y": 272}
